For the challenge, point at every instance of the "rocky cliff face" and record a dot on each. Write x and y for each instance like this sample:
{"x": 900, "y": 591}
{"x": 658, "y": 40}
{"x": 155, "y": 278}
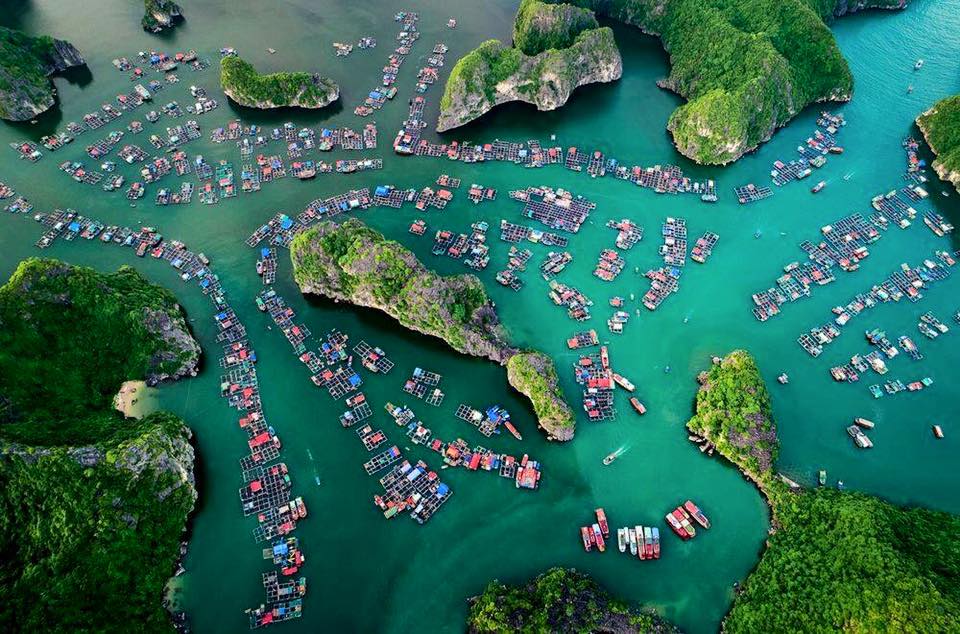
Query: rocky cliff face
{"x": 381, "y": 274}
{"x": 62, "y": 56}
{"x": 545, "y": 80}
{"x": 25, "y": 66}
{"x": 534, "y": 375}
{"x": 940, "y": 126}
{"x": 846, "y": 7}
{"x": 316, "y": 92}
{"x": 746, "y": 67}
{"x": 180, "y": 350}
{"x": 159, "y": 15}
{"x": 162, "y": 453}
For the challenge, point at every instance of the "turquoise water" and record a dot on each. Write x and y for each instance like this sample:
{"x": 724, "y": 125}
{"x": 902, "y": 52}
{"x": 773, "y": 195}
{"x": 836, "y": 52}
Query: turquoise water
{"x": 369, "y": 574}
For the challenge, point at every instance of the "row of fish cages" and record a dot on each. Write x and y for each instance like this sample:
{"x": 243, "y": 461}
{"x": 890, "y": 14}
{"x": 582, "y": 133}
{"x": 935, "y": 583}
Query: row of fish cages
{"x": 557, "y": 209}
{"x": 280, "y": 230}
{"x": 662, "y": 179}
{"x": 577, "y": 304}
{"x": 906, "y": 283}
{"x": 298, "y": 141}
{"x": 266, "y": 492}
{"x": 425, "y": 385}
{"x": 554, "y": 263}
{"x": 628, "y": 233}
{"x": 406, "y": 38}
{"x": 390, "y": 196}
{"x": 813, "y": 152}
{"x": 844, "y": 244}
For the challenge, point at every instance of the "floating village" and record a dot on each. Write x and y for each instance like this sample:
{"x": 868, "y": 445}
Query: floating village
{"x": 543, "y": 221}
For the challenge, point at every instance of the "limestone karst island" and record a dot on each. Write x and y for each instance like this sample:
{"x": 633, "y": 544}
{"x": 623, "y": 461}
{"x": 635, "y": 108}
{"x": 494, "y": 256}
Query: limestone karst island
{"x": 615, "y": 316}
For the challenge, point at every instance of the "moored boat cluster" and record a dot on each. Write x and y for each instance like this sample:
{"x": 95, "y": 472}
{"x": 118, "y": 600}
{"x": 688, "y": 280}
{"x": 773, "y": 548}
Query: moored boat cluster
{"x": 643, "y": 542}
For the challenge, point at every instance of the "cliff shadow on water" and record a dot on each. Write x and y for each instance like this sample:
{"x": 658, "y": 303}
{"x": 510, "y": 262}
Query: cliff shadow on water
{"x": 16, "y": 14}
{"x": 427, "y": 347}
{"x": 276, "y": 117}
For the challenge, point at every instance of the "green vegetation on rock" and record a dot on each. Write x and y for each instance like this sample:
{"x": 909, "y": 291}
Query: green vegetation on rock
{"x": 160, "y": 14}
{"x": 540, "y": 26}
{"x": 244, "y": 85}
{"x": 534, "y": 375}
{"x": 480, "y": 70}
{"x": 355, "y": 263}
{"x": 851, "y": 562}
{"x": 559, "y": 600}
{"x": 92, "y": 506}
{"x": 25, "y": 66}
{"x": 733, "y": 412}
{"x": 557, "y": 49}
{"x": 88, "y": 541}
{"x": 941, "y": 128}
{"x": 746, "y": 67}
{"x": 69, "y": 336}
{"x": 835, "y": 561}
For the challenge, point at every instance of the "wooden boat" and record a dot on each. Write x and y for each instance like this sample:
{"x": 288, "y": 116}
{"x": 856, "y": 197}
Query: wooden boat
{"x": 863, "y": 422}
{"x": 697, "y": 514}
{"x": 623, "y": 382}
{"x": 585, "y": 535}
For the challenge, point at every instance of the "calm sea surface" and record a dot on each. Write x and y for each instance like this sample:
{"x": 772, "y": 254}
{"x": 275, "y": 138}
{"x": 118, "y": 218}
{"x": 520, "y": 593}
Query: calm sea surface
{"x": 368, "y": 574}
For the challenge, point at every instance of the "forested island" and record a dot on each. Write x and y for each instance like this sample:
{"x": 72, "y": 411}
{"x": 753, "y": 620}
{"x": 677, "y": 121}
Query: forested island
{"x": 941, "y": 128}
{"x": 26, "y": 64}
{"x": 159, "y": 15}
{"x": 557, "y": 48}
{"x": 354, "y": 263}
{"x": 92, "y": 506}
{"x": 746, "y": 67}
{"x": 559, "y": 600}
{"x": 834, "y": 560}
{"x": 244, "y": 85}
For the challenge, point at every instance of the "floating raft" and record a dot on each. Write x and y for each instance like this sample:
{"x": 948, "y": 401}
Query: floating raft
{"x": 703, "y": 248}
{"x": 583, "y": 339}
{"x": 382, "y": 460}
{"x": 750, "y": 193}
{"x": 373, "y": 359}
